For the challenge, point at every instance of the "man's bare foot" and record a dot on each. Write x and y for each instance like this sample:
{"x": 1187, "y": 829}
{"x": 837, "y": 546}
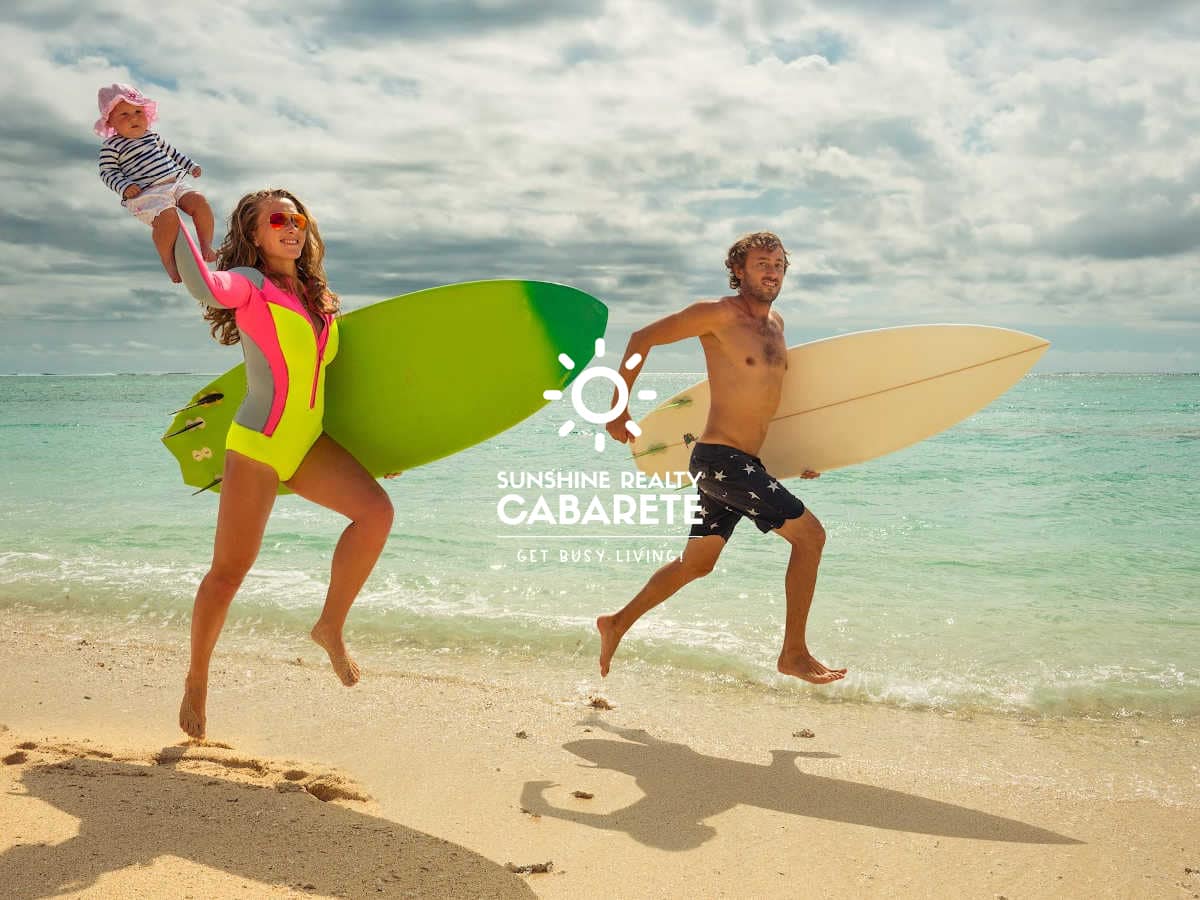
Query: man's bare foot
{"x": 331, "y": 640}
{"x": 191, "y": 709}
{"x": 805, "y": 667}
{"x": 610, "y": 639}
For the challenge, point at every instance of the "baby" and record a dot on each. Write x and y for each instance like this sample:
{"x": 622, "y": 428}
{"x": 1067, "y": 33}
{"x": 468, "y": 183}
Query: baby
{"x": 148, "y": 172}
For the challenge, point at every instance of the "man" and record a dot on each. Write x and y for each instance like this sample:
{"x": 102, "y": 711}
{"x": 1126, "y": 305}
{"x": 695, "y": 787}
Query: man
{"x": 746, "y": 357}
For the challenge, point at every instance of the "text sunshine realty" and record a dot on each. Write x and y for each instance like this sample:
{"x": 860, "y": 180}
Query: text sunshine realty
{"x": 571, "y": 507}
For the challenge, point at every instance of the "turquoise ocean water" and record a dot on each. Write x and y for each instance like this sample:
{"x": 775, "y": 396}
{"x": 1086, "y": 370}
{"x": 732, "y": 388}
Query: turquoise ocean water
{"x": 1042, "y": 557}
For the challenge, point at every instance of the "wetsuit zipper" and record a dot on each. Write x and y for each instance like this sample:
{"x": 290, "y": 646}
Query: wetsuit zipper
{"x": 321, "y": 340}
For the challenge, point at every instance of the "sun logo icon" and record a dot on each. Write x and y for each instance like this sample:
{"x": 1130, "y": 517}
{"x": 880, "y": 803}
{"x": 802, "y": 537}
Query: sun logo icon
{"x": 590, "y": 374}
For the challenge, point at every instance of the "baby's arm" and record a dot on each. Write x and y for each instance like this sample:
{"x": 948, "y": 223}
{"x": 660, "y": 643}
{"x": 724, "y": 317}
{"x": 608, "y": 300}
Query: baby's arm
{"x": 111, "y": 174}
{"x": 185, "y": 162}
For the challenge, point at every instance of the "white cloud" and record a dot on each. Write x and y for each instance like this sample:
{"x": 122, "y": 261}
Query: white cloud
{"x": 922, "y": 162}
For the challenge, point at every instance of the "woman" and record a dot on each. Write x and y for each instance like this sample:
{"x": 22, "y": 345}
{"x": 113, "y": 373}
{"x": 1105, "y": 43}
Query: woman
{"x": 272, "y": 291}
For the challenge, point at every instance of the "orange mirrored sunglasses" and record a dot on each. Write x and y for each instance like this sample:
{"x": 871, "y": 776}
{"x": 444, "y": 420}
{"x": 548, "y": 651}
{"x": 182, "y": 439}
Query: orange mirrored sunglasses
{"x": 278, "y": 220}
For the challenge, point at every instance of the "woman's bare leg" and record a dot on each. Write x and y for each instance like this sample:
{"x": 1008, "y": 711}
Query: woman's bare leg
{"x": 247, "y": 494}
{"x": 331, "y": 477}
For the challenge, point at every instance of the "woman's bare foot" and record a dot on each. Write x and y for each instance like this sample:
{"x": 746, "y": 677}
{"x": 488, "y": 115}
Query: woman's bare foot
{"x": 331, "y": 640}
{"x": 805, "y": 667}
{"x": 191, "y": 709}
{"x": 610, "y": 639}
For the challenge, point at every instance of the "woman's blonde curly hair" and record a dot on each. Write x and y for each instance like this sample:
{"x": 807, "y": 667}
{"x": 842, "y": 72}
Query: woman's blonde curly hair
{"x": 760, "y": 240}
{"x": 238, "y": 249}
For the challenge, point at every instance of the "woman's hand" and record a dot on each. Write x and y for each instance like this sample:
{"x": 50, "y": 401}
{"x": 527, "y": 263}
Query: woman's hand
{"x": 130, "y": 192}
{"x": 195, "y": 171}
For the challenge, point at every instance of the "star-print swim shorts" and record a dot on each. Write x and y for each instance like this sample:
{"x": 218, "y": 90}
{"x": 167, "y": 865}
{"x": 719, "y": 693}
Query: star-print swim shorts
{"x": 733, "y": 484}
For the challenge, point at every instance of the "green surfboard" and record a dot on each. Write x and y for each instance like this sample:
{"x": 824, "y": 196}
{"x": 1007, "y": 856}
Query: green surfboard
{"x": 421, "y": 376}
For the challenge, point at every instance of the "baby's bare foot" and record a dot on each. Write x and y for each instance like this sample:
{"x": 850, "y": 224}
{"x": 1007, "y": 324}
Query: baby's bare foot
{"x": 331, "y": 640}
{"x": 191, "y": 709}
{"x": 209, "y": 254}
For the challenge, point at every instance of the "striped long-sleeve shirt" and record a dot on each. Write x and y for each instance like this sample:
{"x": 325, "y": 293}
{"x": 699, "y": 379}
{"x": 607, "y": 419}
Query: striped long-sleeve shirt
{"x": 142, "y": 161}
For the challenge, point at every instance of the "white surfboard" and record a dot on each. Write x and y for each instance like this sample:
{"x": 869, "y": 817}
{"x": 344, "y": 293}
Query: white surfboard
{"x": 857, "y": 396}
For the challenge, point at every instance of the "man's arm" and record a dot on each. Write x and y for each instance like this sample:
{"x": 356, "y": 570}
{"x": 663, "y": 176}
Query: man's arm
{"x": 699, "y": 318}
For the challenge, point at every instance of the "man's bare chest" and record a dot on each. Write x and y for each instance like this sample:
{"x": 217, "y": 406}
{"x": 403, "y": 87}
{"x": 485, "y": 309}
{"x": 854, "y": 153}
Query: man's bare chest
{"x": 756, "y": 345}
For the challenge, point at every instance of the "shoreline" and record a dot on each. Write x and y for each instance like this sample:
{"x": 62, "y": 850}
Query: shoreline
{"x": 573, "y": 657}
{"x": 471, "y": 762}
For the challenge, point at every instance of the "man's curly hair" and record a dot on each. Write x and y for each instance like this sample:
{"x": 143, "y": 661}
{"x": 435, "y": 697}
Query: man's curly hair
{"x": 760, "y": 240}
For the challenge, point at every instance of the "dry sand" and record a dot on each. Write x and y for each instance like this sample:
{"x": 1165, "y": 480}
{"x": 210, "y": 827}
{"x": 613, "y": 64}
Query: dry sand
{"x": 438, "y": 769}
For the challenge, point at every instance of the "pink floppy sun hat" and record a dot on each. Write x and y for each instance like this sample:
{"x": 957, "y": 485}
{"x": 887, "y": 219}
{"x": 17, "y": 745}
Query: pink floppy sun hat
{"x": 113, "y": 94}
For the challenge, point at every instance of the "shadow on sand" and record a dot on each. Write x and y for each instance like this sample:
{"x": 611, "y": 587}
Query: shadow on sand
{"x": 683, "y": 788}
{"x": 272, "y": 833}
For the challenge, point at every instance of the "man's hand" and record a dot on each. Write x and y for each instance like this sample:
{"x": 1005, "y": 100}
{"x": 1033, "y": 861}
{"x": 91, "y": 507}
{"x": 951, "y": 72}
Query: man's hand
{"x": 130, "y": 192}
{"x": 616, "y": 428}
{"x": 195, "y": 171}
{"x": 393, "y": 474}
{"x": 809, "y": 473}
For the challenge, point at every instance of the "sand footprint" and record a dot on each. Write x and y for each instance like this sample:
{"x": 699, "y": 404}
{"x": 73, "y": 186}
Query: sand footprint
{"x": 332, "y": 787}
{"x": 210, "y": 758}
{"x": 325, "y": 786}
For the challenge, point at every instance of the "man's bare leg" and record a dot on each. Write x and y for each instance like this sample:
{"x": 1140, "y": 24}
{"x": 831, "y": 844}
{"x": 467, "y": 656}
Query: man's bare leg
{"x": 699, "y": 557}
{"x": 247, "y": 495}
{"x": 333, "y": 478}
{"x": 163, "y": 230}
{"x": 807, "y": 538}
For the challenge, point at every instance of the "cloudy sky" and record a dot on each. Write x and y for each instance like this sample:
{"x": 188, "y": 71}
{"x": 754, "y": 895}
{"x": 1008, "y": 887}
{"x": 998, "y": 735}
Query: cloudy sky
{"x": 923, "y": 161}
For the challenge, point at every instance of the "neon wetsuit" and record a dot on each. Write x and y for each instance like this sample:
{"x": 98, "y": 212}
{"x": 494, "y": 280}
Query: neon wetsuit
{"x": 286, "y": 355}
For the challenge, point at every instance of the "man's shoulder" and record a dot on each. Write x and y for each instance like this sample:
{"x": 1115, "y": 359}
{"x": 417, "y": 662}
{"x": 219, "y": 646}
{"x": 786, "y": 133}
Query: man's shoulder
{"x": 710, "y": 314}
{"x": 717, "y": 305}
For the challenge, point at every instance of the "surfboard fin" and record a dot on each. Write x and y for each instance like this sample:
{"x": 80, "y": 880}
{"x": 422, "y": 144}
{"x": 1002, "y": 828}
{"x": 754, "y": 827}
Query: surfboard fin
{"x": 202, "y": 401}
{"x": 199, "y": 423}
{"x": 209, "y": 486}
